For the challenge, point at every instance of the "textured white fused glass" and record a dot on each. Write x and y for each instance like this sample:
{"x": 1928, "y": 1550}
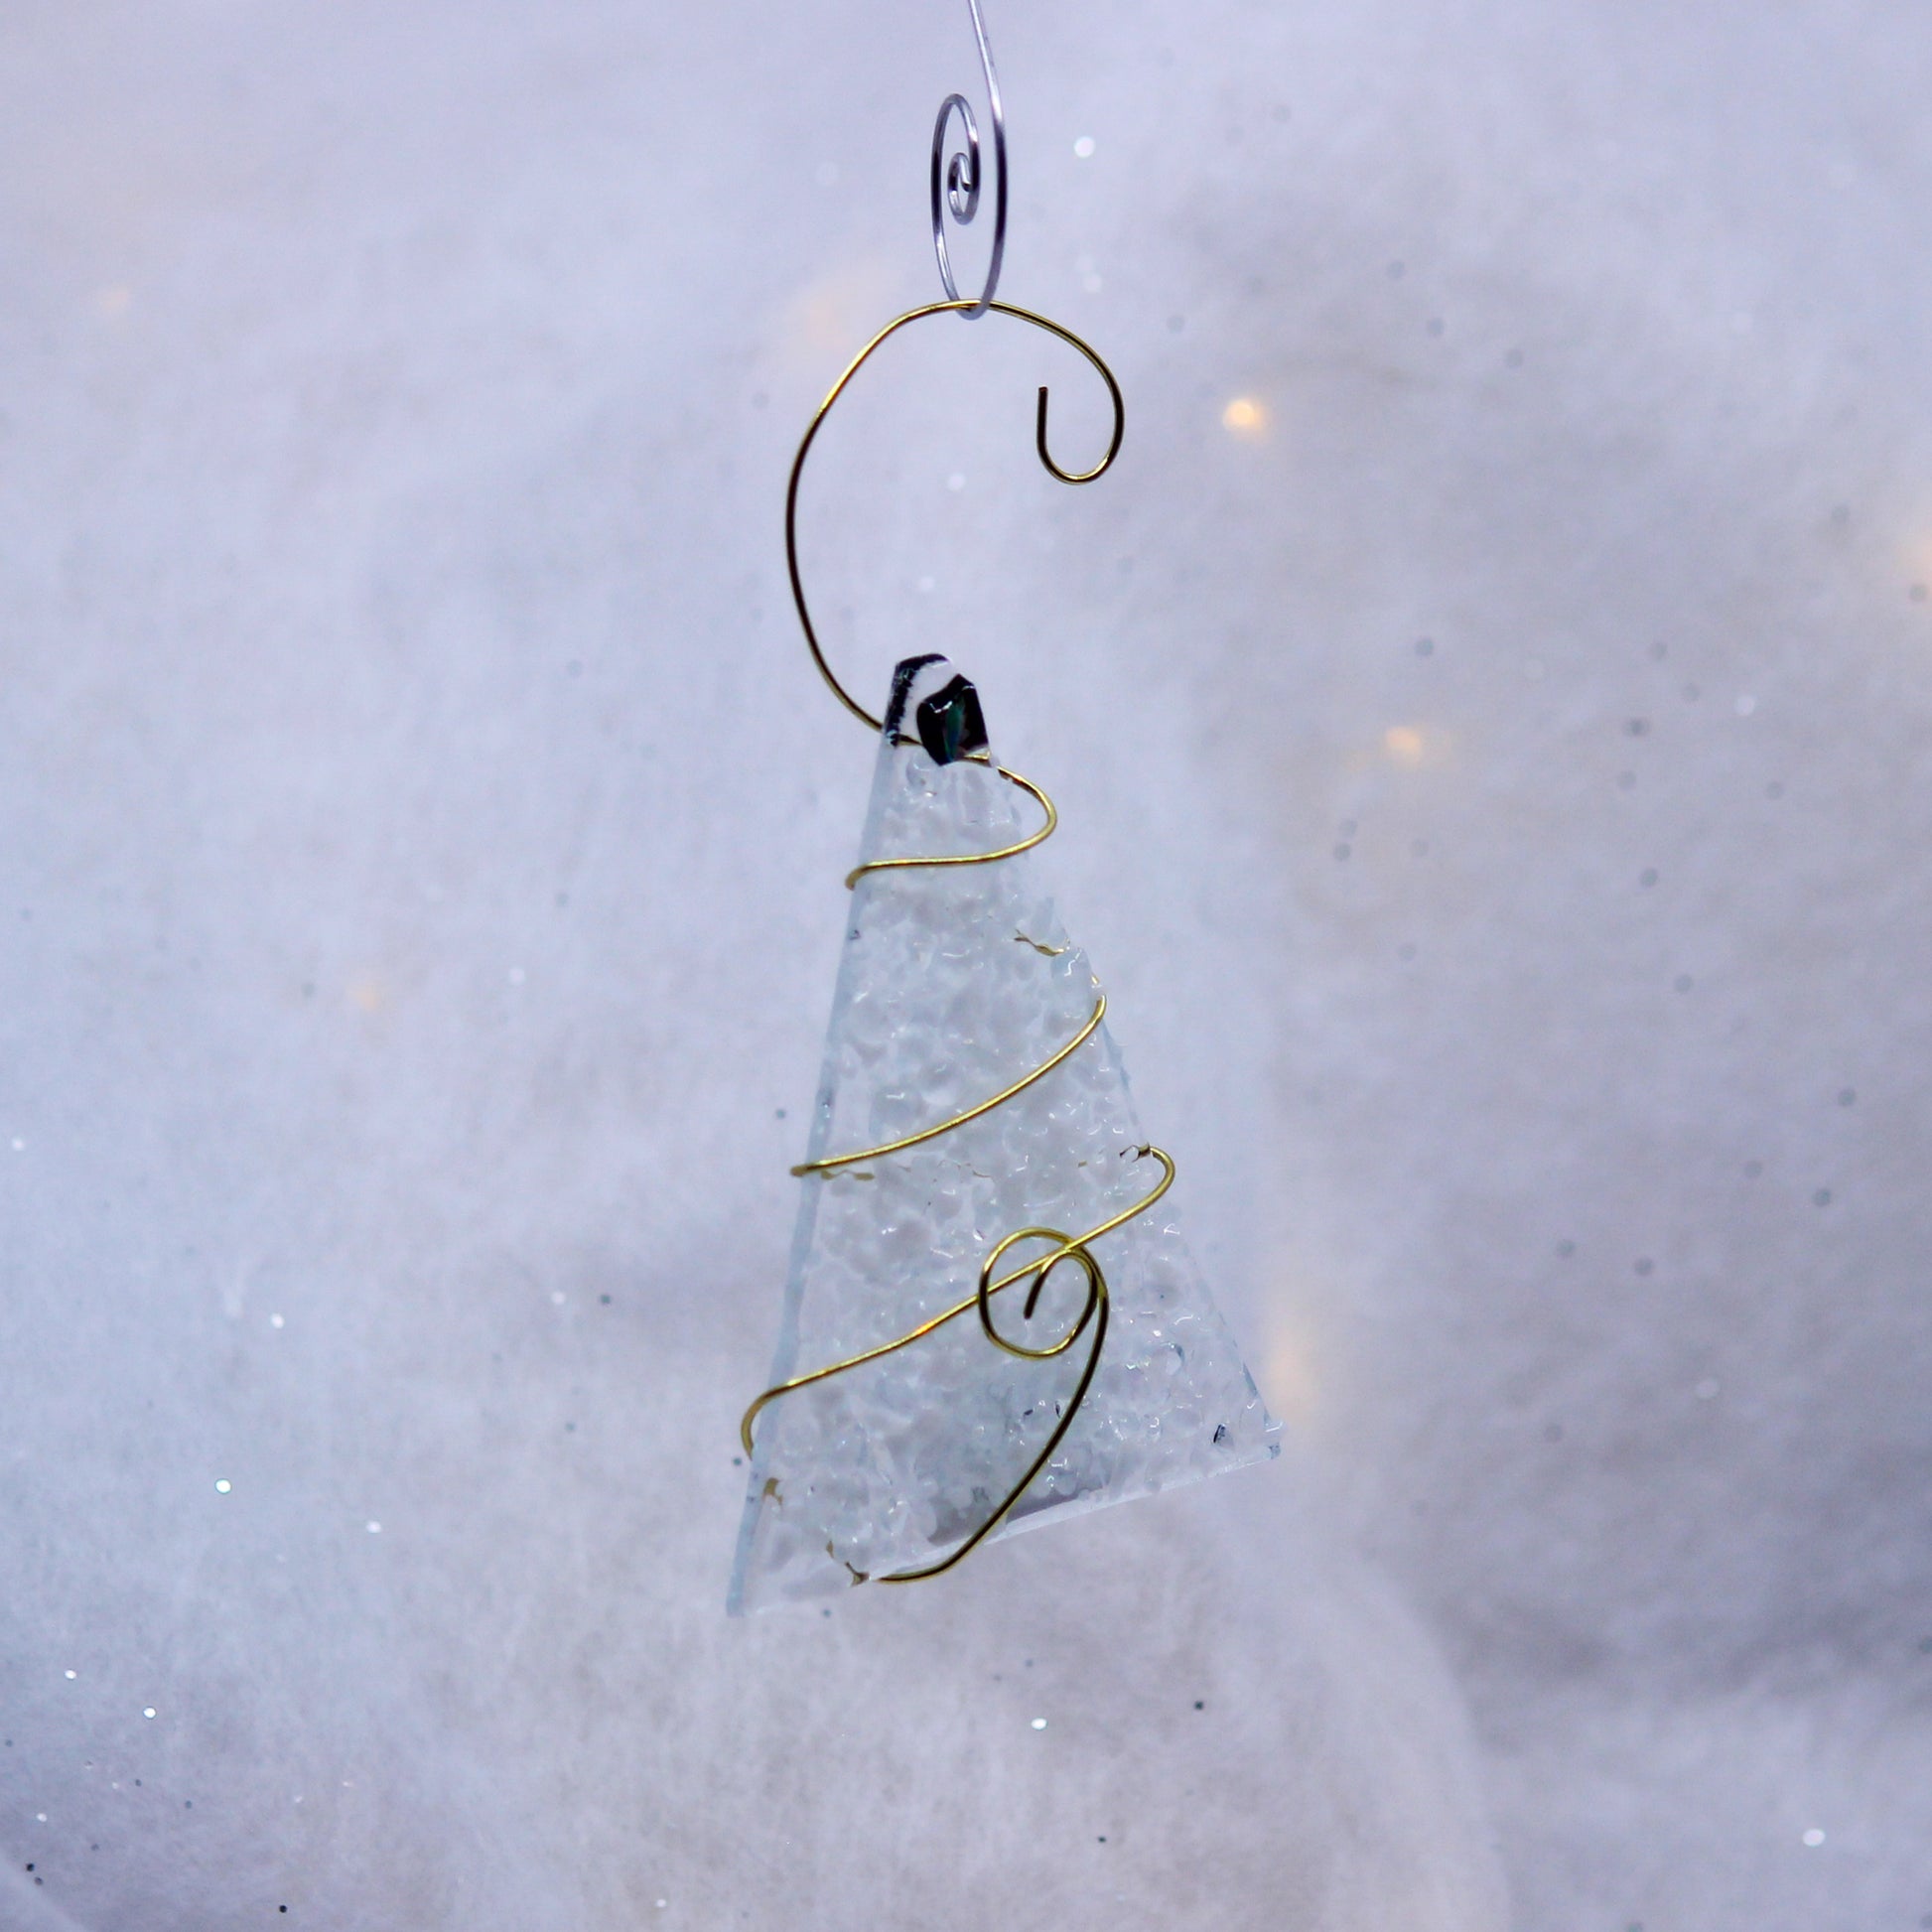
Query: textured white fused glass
{"x": 956, "y": 982}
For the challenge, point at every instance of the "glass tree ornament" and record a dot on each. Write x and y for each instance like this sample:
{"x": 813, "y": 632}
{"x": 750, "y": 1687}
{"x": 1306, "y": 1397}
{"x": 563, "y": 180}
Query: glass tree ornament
{"x": 990, "y": 1319}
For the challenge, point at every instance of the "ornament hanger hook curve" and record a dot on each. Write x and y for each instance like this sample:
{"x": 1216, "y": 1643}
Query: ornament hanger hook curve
{"x": 957, "y": 306}
{"x": 959, "y": 176}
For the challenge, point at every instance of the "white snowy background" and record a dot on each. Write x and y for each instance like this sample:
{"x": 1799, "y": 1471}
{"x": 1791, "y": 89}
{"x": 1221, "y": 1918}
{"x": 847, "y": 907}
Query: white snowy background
{"x": 1490, "y": 702}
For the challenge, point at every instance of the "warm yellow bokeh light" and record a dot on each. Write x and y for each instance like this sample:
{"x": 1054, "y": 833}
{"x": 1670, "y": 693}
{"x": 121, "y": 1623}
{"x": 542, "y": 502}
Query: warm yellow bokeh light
{"x": 1409, "y": 747}
{"x": 1287, "y": 1376}
{"x": 835, "y": 312}
{"x": 1244, "y": 415}
{"x": 1916, "y": 557}
{"x": 367, "y": 992}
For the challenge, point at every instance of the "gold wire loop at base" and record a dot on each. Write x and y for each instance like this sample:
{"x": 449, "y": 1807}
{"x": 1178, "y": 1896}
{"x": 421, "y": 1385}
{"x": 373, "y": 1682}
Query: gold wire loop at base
{"x": 1075, "y": 1248}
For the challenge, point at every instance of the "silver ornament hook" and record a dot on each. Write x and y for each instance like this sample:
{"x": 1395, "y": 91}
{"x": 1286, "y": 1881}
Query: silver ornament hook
{"x": 956, "y": 179}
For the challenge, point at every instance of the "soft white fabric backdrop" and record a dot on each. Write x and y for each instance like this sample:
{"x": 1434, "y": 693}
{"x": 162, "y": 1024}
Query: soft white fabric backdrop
{"x": 1495, "y": 793}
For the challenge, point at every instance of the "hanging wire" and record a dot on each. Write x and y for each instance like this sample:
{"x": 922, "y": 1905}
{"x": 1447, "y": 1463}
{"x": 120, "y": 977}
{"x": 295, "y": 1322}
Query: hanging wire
{"x": 956, "y": 180}
{"x": 956, "y": 188}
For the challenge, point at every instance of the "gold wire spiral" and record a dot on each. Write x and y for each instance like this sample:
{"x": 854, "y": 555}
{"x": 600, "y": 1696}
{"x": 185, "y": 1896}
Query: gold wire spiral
{"x": 1075, "y": 1248}
{"x": 1064, "y": 1247}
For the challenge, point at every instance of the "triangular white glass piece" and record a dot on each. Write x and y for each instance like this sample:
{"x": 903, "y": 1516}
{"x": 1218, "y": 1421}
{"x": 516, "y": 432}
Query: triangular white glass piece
{"x": 956, "y": 983}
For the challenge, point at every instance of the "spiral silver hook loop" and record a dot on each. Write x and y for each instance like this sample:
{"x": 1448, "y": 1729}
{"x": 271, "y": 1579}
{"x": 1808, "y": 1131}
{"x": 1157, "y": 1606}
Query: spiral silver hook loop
{"x": 956, "y": 180}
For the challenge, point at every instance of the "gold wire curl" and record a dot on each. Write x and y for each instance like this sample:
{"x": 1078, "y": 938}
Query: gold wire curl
{"x": 837, "y": 389}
